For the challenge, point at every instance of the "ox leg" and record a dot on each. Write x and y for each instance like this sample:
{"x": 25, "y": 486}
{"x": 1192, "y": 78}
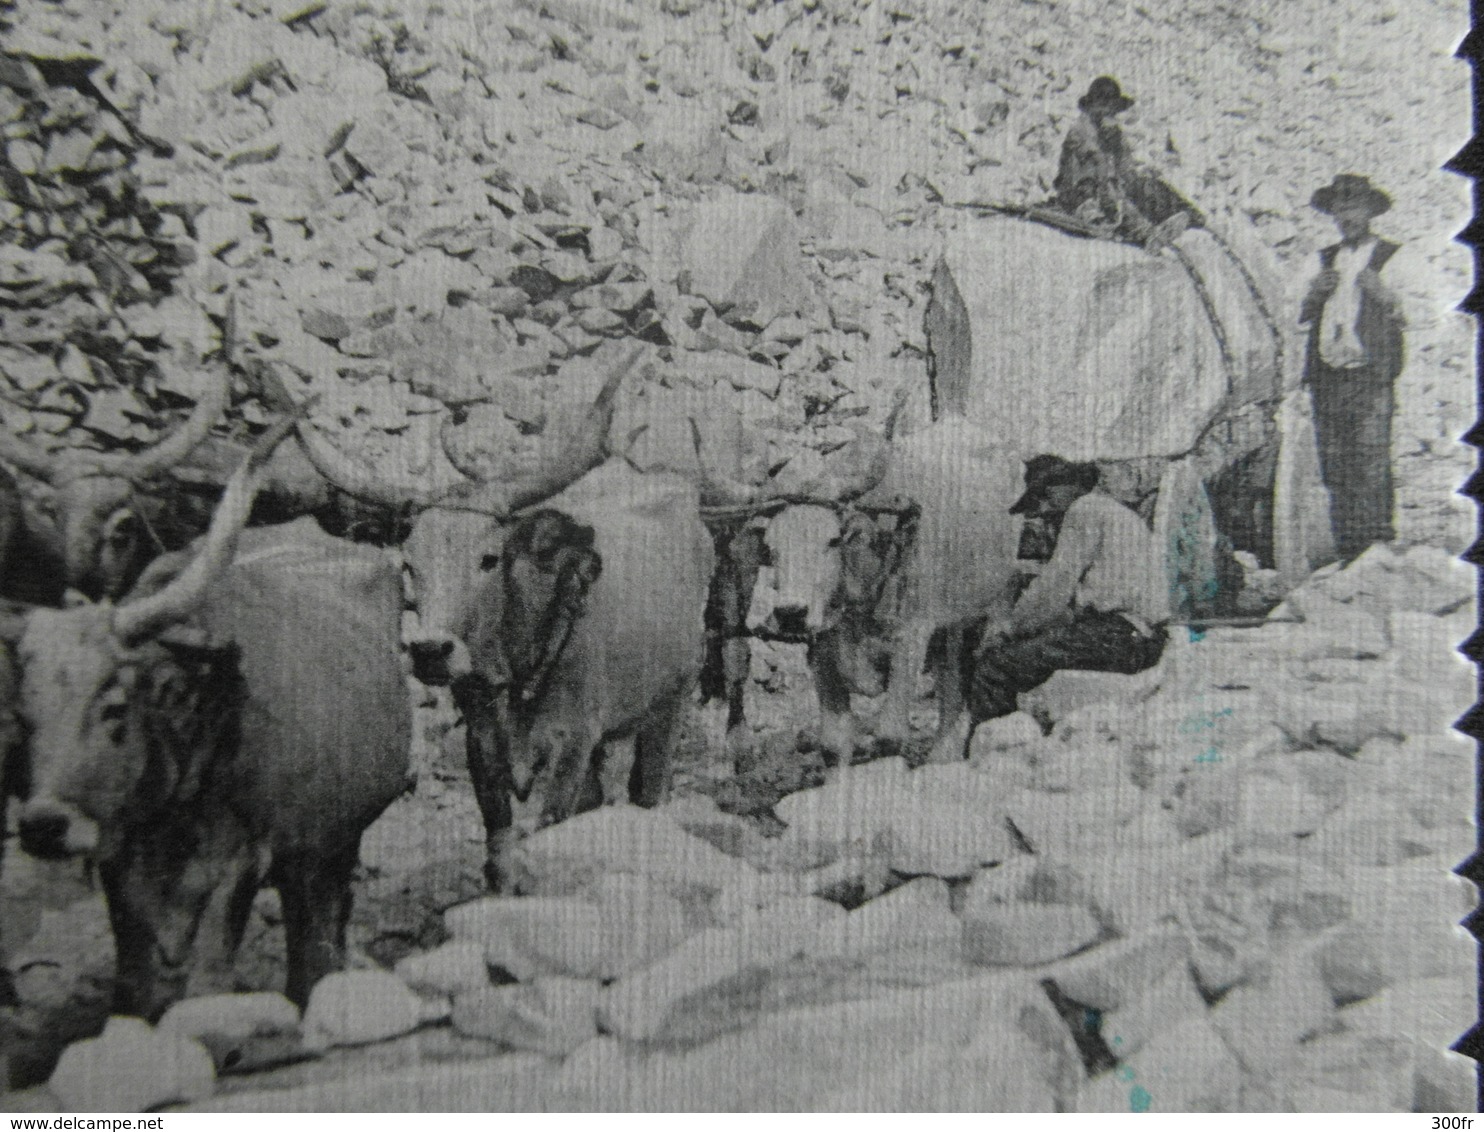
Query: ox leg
{"x": 316, "y": 908}
{"x": 561, "y": 786}
{"x": 649, "y": 784}
{"x": 952, "y": 740}
{"x": 908, "y": 656}
{"x": 737, "y": 659}
{"x": 155, "y": 905}
{"x": 240, "y": 902}
{"x": 615, "y": 769}
{"x": 225, "y": 923}
{"x": 489, "y": 771}
{"x": 837, "y": 731}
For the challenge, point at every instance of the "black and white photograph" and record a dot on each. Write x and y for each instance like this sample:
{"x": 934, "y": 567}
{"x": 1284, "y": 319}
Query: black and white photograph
{"x": 735, "y": 556}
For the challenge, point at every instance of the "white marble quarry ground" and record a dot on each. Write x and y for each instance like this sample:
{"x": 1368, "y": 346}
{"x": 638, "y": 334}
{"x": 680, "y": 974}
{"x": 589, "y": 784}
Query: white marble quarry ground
{"x": 1221, "y": 885}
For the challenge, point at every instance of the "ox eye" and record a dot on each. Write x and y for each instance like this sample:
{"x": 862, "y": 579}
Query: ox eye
{"x": 122, "y": 536}
{"x": 489, "y": 561}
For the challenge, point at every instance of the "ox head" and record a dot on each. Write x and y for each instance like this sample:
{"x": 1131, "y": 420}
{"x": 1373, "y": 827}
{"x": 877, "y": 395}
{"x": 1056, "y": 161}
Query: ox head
{"x": 531, "y": 599}
{"x": 824, "y": 560}
{"x": 458, "y": 535}
{"x": 104, "y": 534}
{"x": 446, "y": 554}
{"x": 124, "y": 705}
{"x": 823, "y": 553}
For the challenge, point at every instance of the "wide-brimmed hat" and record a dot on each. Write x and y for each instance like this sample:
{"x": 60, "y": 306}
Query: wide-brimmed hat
{"x": 1105, "y": 91}
{"x": 1046, "y": 471}
{"x": 1350, "y": 189}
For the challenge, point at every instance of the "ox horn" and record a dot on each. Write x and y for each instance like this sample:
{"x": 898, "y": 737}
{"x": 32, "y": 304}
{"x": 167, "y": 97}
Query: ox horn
{"x": 722, "y": 496}
{"x": 359, "y": 481}
{"x": 874, "y": 467}
{"x": 718, "y": 490}
{"x": 584, "y": 450}
{"x": 135, "y": 465}
{"x": 161, "y": 457}
{"x": 177, "y": 600}
{"x": 350, "y": 476}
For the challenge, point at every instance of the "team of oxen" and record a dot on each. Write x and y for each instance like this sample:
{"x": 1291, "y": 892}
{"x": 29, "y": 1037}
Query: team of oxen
{"x": 201, "y": 722}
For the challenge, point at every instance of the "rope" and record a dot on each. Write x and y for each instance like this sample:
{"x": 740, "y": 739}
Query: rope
{"x": 1279, "y": 352}
{"x": 1228, "y": 364}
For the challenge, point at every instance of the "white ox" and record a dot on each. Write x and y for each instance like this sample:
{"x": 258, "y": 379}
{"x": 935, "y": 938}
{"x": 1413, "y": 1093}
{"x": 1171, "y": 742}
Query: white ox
{"x": 632, "y": 651}
{"x": 564, "y": 607}
{"x": 830, "y": 576}
{"x": 1042, "y": 342}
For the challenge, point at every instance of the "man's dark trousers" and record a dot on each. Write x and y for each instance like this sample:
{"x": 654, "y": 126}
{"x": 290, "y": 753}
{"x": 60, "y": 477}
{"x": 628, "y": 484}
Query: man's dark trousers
{"x": 1088, "y": 640}
{"x": 1352, "y": 426}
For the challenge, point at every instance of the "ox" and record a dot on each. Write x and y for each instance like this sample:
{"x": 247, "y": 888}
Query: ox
{"x": 240, "y": 717}
{"x": 106, "y": 525}
{"x": 836, "y": 559}
{"x": 565, "y": 610}
{"x": 869, "y": 588}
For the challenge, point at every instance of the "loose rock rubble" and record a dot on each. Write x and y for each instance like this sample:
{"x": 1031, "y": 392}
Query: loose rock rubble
{"x": 1220, "y": 885}
{"x": 1173, "y": 905}
{"x": 424, "y": 216}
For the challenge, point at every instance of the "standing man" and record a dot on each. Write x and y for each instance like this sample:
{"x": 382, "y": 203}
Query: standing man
{"x": 1099, "y": 604}
{"x": 1355, "y": 354}
{"x": 1098, "y": 182}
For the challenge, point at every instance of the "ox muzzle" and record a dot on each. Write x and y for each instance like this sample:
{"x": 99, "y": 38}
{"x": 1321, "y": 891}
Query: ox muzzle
{"x": 439, "y": 660}
{"x": 785, "y": 616}
{"x": 53, "y": 830}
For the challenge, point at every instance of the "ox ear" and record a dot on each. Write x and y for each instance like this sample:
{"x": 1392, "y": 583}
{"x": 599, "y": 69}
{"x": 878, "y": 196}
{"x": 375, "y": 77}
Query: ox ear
{"x": 542, "y": 534}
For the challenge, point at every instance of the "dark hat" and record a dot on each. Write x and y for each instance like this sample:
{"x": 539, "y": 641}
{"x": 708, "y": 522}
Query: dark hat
{"x": 1046, "y": 471}
{"x": 1349, "y": 189}
{"x": 1105, "y": 91}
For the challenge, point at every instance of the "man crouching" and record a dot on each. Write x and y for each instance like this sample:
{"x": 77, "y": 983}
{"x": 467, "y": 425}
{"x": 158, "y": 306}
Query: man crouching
{"x": 1098, "y": 604}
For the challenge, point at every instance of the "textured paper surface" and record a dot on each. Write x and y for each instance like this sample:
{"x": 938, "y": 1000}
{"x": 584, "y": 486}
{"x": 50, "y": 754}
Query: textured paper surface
{"x": 725, "y": 247}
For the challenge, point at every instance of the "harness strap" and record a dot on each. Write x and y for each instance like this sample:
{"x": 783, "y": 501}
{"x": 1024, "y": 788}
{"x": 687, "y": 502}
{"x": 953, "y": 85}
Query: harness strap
{"x": 1228, "y": 364}
{"x": 142, "y": 515}
{"x": 569, "y": 606}
{"x": 1257, "y": 298}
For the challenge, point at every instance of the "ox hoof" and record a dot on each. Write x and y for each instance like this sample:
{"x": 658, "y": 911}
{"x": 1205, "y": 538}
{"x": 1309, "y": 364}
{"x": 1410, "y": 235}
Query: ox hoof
{"x": 496, "y": 877}
{"x": 952, "y": 746}
{"x": 499, "y": 875}
{"x": 889, "y": 747}
{"x": 837, "y": 741}
{"x": 891, "y": 738}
